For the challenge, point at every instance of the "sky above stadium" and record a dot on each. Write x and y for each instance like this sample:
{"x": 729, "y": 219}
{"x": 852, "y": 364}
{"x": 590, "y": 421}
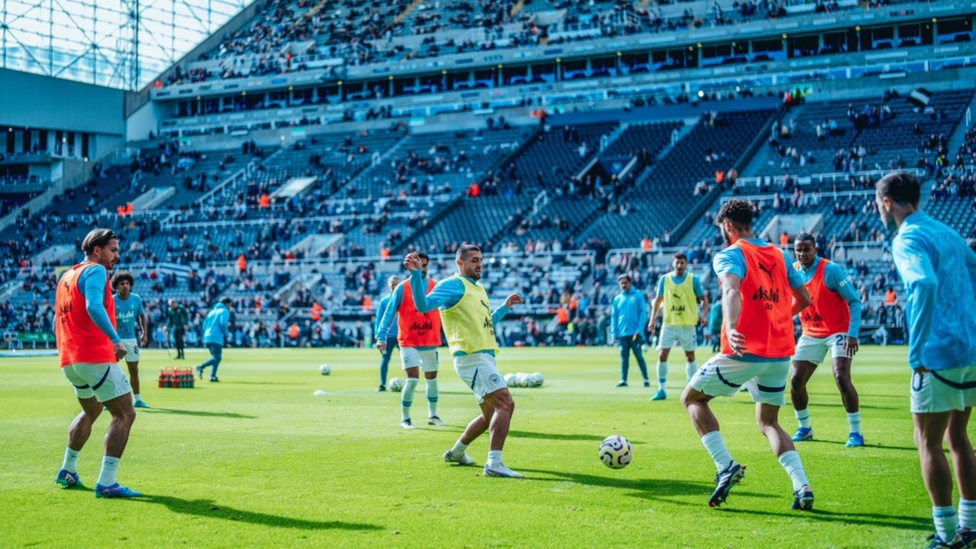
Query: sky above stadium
{"x": 95, "y": 41}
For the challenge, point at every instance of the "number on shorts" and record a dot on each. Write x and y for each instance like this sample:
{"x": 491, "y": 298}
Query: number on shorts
{"x": 840, "y": 339}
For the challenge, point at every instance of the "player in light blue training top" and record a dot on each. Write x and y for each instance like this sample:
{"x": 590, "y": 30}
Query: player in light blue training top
{"x": 129, "y": 315}
{"x": 939, "y": 272}
{"x": 215, "y": 335}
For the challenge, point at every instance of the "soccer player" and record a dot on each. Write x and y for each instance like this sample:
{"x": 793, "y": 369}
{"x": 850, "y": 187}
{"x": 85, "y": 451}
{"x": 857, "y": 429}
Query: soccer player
{"x": 628, "y": 316}
{"x": 469, "y": 326}
{"x": 939, "y": 272}
{"x": 419, "y": 336}
{"x": 679, "y": 291}
{"x": 830, "y": 322}
{"x": 177, "y": 320}
{"x": 89, "y": 348}
{"x": 391, "y": 337}
{"x": 128, "y": 313}
{"x": 757, "y": 280}
{"x": 215, "y": 333}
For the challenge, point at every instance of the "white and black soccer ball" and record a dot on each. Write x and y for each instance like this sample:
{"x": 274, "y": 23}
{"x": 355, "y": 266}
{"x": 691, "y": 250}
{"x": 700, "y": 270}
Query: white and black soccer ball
{"x": 521, "y": 379}
{"x": 536, "y": 379}
{"x": 510, "y": 380}
{"x": 325, "y": 369}
{"x": 616, "y": 452}
{"x": 395, "y": 385}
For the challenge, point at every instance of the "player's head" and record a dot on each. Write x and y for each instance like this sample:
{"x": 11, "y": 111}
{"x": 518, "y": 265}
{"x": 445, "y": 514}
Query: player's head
{"x": 228, "y": 302}
{"x": 624, "y": 282}
{"x": 468, "y": 259}
{"x": 424, "y": 262}
{"x": 734, "y": 219}
{"x": 805, "y": 248}
{"x": 101, "y": 246}
{"x": 680, "y": 263}
{"x": 392, "y": 282}
{"x": 172, "y": 304}
{"x": 897, "y": 196}
{"x": 123, "y": 282}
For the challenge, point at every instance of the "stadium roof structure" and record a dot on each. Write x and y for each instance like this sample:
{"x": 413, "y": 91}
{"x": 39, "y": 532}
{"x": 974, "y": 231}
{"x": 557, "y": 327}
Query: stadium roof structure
{"x": 121, "y": 44}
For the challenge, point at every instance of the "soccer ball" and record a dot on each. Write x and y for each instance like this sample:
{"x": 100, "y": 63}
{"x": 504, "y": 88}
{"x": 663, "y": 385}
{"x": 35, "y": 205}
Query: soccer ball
{"x": 396, "y": 385}
{"x": 535, "y": 380}
{"x": 616, "y": 452}
{"x": 521, "y": 379}
{"x": 510, "y": 380}
{"x": 325, "y": 369}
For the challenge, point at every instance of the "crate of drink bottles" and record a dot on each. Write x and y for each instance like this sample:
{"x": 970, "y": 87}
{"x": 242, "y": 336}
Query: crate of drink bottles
{"x": 176, "y": 378}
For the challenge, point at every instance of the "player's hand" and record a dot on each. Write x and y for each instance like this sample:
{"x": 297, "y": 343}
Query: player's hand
{"x": 703, "y": 321}
{"x": 651, "y": 325}
{"x": 613, "y": 341}
{"x": 737, "y": 341}
{"x": 412, "y": 262}
{"x": 381, "y": 347}
{"x": 143, "y": 340}
{"x": 850, "y": 346}
{"x": 514, "y": 299}
{"x": 120, "y": 350}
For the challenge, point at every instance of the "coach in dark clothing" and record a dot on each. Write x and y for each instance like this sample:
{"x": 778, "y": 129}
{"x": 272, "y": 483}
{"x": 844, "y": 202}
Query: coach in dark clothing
{"x": 176, "y": 322}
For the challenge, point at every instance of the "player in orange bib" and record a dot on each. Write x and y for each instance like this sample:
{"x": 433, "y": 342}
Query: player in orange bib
{"x": 419, "y": 335}
{"x": 761, "y": 291}
{"x": 830, "y": 322}
{"x": 89, "y": 349}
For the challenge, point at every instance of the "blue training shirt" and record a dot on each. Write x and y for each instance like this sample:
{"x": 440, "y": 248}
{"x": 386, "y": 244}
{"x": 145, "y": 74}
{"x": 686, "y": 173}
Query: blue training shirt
{"x": 939, "y": 272}
{"x": 126, "y": 313}
{"x": 446, "y": 294}
{"x": 837, "y": 280}
{"x": 628, "y": 313}
{"x": 215, "y": 325}
{"x": 732, "y": 261}
{"x": 382, "y": 307}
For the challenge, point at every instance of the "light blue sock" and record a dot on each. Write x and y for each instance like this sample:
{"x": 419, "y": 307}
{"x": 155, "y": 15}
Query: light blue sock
{"x": 70, "y": 463}
{"x": 716, "y": 448}
{"x": 967, "y": 514}
{"x": 494, "y": 458}
{"x": 690, "y": 369}
{"x": 794, "y": 467}
{"x": 854, "y": 420}
{"x": 432, "y": 393}
{"x": 662, "y": 374}
{"x": 110, "y": 465}
{"x": 803, "y": 417}
{"x": 946, "y": 522}
{"x": 406, "y": 400}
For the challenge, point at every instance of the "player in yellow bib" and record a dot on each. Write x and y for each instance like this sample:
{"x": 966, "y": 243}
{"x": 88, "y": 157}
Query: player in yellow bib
{"x": 679, "y": 292}
{"x": 469, "y": 325}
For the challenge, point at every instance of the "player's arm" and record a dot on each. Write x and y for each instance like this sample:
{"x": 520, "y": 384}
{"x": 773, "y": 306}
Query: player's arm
{"x": 921, "y": 286}
{"x": 143, "y": 333}
{"x": 971, "y": 265}
{"x": 731, "y": 309}
{"x": 801, "y": 297}
{"x": 613, "y": 320}
{"x": 641, "y": 317}
{"x": 94, "y": 291}
{"x": 702, "y": 297}
{"x": 503, "y": 310}
{"x": 386, "y": 321}
{"x": 837, "y": 280}
{"x": 445, "y": 294}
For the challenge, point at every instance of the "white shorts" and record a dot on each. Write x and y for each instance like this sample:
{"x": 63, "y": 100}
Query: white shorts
{"x": 814, "y": 349}
{"x": 478, "y": 372}
{"x": 131, "y": 350}
{"x": 723, "y": 376}
{"x": 944, "y": 390}
{"x": 684, "y": 336}
{"x": 104, "y": 381}
{"x": 412, "y": 357}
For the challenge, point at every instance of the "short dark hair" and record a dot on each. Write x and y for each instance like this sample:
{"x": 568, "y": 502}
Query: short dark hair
{"x": 123, "y": 276}
{"x": 423, "y": 255}
{"x": 738, "y": 211}
{"x": 97, "y": 238}
{"x": 680, "y": 255}
{"x": 808, "y": 237}
{"x": 463, "y": 250}
{"x": 624, "y": 276}
{"x": 901, "y": 187}
{"x": 226, "y": 300}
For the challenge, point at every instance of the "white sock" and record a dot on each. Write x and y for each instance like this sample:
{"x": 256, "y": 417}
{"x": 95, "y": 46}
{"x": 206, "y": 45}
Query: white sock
{"x": 794, "y": 467}
{"x": 967, "y": 514}
{"x": 406, "y": 400}
{"x": 459, "y": 447}
{"x": 70, "y": 463}
{"x": 803, "y": 416}
{"x": 716, "y": 448}
{"x": 854, "y": 420}
{"x": 662, "y": 374}
{"x": 137, "y": 397}
{"x": 494, "y": 458}
{"x": 690, "y": 369}
{"x": 946, "y": 522}
{"x": 432, "y": 393}
{"x": 110, "y": 465}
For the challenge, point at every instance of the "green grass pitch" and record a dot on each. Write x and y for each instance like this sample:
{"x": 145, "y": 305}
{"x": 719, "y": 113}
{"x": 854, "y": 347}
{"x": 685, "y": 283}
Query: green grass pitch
{"x": 258, "y": 461}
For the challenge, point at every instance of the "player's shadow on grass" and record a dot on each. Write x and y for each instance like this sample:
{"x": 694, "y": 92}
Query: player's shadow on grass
{"x": 198, "y": 413}
{"x": 866, "y": 445}
{"x": 207, "y": 508}
{"x": 900, "y": 522}
{"x": 264, "y": 383}
{"x": 558, "y": 436}
{"x": 650, "y": 488}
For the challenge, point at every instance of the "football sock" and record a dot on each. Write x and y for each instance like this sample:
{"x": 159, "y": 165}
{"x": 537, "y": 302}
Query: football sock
{"x": 945, "y": 521}
{"x": 854, "y": 420}
{"x": 70, "y": 463}
{"x": 110, "y": 465}
{"x": 803, "y": 416}
{"x": 794, "y": 467}
{"x": 967, "y": 514}
{"x": 137, "y": 398}
{"x": 716, "y": 448}
{"x": 662, "y": 374}
{"x": 432, "y": 393}
{"x": 494, "y": 458}
{"x": 459, "y": 447}
{"x": 690, "y": 369}
{"x": 406, "y": 401}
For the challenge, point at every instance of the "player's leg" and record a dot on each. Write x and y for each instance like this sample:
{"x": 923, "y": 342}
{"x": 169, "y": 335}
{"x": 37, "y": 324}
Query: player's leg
{"x": 664, "y": 342}
{"x": 217, "y": 352}
{"x": 430, "y": 367}
{"x": 78, "y": 435}
{"x": 848, "y": 395}
{"x": 638, "y": 349}
{"x": 114, "y": 393}
{"x": 503, "y": 406}
{"x": 964, "y": 464}
{"x": 691, "y": 364}
{"x": 624, "y": 361}
{"x": 134, "y": 381}
{"x": 930, "y": 429}
{"x": 802, "y": 372}
{"x": 406, "y": 396}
